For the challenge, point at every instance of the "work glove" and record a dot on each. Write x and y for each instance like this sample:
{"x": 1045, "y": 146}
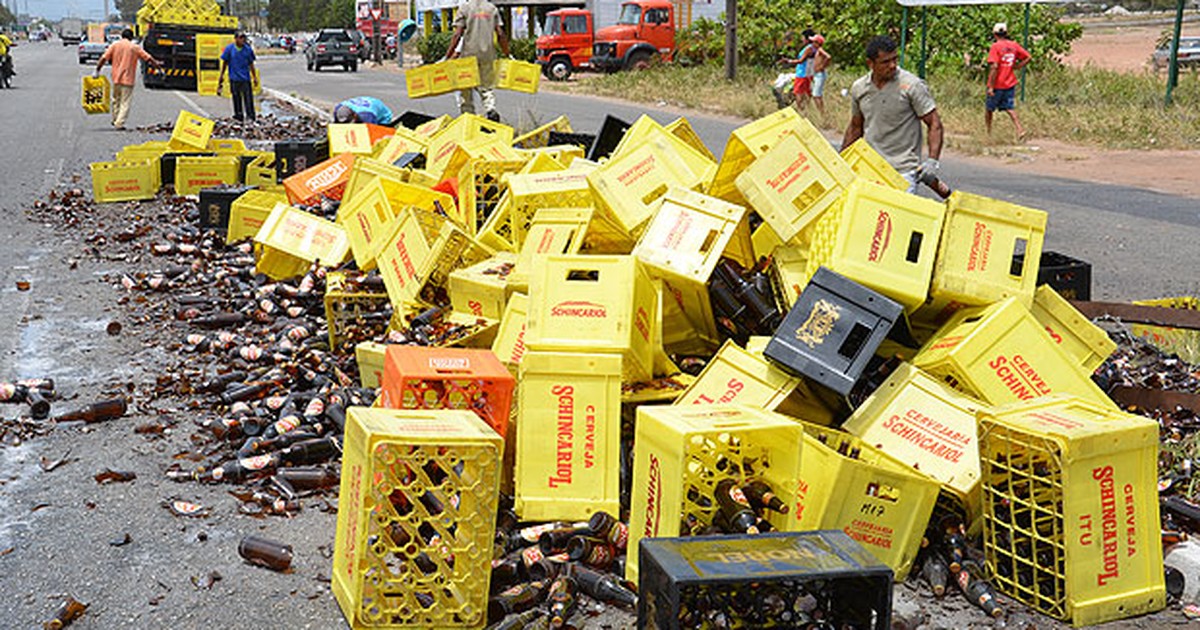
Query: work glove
{"x": 96, "y": 73}
{"x": 928, "y": 171}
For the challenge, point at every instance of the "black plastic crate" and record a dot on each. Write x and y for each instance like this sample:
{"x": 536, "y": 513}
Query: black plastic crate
{"x": 412, "y": 159}
{"x": 293, "y": 156}
{"x": 166, "y": 164}
{"x": 833, "y": 330}
{"x": 412, "y": 120}
{"x": 1070, "y": 277}
{"x": 583, "y": 140}
{"x": 215, "y": 204}
{"x": 777, "y": 580}
{"x": 608, "y": 137}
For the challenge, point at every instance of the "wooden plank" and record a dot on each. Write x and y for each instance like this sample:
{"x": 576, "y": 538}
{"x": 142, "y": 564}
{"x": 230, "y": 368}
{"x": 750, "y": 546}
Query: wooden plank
{"x": 1133, "y": 313}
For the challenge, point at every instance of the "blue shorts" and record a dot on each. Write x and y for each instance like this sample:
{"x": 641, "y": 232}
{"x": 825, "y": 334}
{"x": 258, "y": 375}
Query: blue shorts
{"x": 818, "y": 84}
{"x": 1001, "y": 99}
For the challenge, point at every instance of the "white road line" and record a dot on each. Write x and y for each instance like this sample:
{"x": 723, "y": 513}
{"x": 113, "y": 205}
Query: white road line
{"x": 192, "y": 104}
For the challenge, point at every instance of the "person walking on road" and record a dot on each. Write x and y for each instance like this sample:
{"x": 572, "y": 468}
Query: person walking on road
{"x": 1005, "y": 58}
{"x": 363, "y": 109}
{"x": 888, "y": 106}
{"x": 124, "y": 54}
{"x": 478, "y": 28}
{"x": 239, "y": 57}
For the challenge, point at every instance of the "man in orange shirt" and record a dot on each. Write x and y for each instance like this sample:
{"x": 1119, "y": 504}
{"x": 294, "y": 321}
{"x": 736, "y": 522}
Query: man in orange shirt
{"x": 1005, "y": 58}
{"x": 123, "y": 54}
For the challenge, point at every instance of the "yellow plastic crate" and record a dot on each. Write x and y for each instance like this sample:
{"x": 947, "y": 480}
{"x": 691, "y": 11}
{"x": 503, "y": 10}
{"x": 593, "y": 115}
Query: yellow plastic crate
{"x": 364, "y": 216}
{"x": 1070, "y": 497}
{"x": 746, "y": 144}
{"x": 415, "y": 518}
{"x": 682, "y": 244}
{"x": 453, "y": 74}
{"x": 96, "y": 94}
{"x": 552, "y": 231}
{"x": 467, "y": 129}
{"x": 416, "y": 82}
{"x": 124, "y": 181}
{"x": 789, "y": 267}
{"x": 794, "y": 183}
{"x": 925, "y": 424}
{"x": 680, "y": 453}
{"x": 482, "y": 289}
{"x": 292, "y": 239}
{"x": 867, "y": 163}
{"x": 350, "y": 314}
{"x": 647, "y": 130}
{"x": 1086, "y": 343}
{"x": 400, "y": 187}
{"x": 682, "y": 129}
{"x": 509, "y": 345}
{"x": 369, "y": 355}
{"x": 496, "y": 231}
{"x": 979, "y": 258}
{"x": 191, "y": 132}
{"x": 519, "y": 76}
{"x": 568, "y": 436}
{"x": 261, "y": 172}
{"x": 248, "y": 213}
{"x": 848, "y": 484}
{"x": 403, "y": 141}
{"x": 594, "y": 304}
{"x": 419, "y": 251}
{"x": 226, "y": 145}
{"x": 882, "y": 238}
{"x": 1181, "y": 341}
{"x": 1001, "y": 354}
{"x": 349, "y": 138}
{"x": 531, "y": 192}
{"x": 736, "y": 376}
{"x": 765, "y": 241}
{"x": 194, "y": 173}
{"x": 540, "y": 136}
{"x": 465, "y": 71}
{"x": 627, "y": 186}
{"x": 148, "y": 150}
{"x": 481, "y": 183}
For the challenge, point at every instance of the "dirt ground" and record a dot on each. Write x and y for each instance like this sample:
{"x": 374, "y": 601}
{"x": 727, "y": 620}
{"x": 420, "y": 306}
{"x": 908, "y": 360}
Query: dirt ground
{"x": 1127, "y": 49}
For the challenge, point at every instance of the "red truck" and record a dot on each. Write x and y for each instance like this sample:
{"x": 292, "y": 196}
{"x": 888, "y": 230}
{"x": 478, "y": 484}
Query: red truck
{"x": 644, "y": 32}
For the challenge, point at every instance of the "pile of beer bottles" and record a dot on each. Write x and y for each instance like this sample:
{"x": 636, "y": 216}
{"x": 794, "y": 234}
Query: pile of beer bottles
{"x": 860, "y": 359}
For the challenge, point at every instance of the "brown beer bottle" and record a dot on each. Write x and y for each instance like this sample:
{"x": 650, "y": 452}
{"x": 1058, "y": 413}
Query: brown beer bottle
{"x": 762, "y": 497}
{"x": 97, "y": 412}
{"x": 266, "y": 553}
{"x": 562, "y": 600}
{"x": 734, "y": 508}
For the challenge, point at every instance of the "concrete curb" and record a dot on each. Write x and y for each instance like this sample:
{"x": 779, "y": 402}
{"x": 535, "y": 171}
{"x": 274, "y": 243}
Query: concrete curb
{"x": 299, "y": 104}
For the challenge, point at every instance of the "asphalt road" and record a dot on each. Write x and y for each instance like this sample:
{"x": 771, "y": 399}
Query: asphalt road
{"x": 55, "y": 527}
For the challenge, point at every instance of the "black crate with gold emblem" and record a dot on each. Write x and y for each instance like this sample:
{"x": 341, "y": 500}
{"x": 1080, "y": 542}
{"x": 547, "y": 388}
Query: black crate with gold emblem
{"x": 215, "y": 204}
{"x": 778, "y": 580}
{"x": 833, "y": 330}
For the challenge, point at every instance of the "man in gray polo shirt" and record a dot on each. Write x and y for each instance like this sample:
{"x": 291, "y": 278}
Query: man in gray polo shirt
{"x": 889, "y": 105}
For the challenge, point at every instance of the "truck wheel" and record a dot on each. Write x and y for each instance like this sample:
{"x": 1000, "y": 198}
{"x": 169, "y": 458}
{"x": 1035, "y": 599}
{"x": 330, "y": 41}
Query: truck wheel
{"x": 354, "y": 67}
{"x": 559, "y": 69}
{"x": 639, "y": 61}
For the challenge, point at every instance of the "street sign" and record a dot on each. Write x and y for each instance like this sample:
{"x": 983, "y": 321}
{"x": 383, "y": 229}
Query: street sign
{"x": 376, "y": 14}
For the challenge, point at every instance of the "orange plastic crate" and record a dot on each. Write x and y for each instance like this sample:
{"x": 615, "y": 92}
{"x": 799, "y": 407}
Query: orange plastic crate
{"x": 416, "y": 377}
{"x": 328, "y": 178}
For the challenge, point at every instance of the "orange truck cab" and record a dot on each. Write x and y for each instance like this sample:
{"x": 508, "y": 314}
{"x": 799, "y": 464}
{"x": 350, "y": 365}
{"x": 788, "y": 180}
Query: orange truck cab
{"x": 644, "y": 32}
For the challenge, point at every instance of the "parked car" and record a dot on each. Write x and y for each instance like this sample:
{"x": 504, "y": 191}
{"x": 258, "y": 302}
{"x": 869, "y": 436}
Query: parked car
{"x": 332, "y": 47}
{"x": 1189, "y": 52}
{"x": 91, "y": 51}
{"x": 363, "y": 44}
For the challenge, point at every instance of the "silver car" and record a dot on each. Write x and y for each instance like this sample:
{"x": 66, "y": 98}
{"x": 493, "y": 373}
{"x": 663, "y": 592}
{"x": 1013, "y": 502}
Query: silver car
{"x": 1189, "y": 52}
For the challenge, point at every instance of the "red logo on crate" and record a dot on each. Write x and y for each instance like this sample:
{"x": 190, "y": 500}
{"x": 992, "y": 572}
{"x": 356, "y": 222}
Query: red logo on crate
{"x": 518, "y": 350}
{"x": 641, "y": 321}
{"x": 1109, "y": 525}
{"x": 589, "y": 438}
{"x": 732, "y": 388}
{"x": 565, "y": 444}
{"x": 579, "y": 309}
{"x": 365, "y": 225}
{"x": 327, "y": 176}
{"x": 929, "y": 435}
{"x": 981, "y": 246}
{"x": 653, "y": 498}
{"x": 122, "y": 185}
{"x": 1019, "y": 377}
{"x": 882, "y": 237}
{"x": 636, "y": 171}
{"x": 790, "y": 174}
{"x": 476, "y": 307}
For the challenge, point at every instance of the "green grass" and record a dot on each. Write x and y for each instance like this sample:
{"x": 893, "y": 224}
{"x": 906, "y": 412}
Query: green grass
{"x": 1087, "y": 106}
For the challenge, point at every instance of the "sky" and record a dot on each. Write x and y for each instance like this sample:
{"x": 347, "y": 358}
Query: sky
{"x": 55, "y": 9}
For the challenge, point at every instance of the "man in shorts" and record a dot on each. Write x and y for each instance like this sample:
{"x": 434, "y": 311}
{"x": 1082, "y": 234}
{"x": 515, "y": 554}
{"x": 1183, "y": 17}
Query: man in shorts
{"x": 820, "y": 65}
{"x": 1005, "y": 58}
{"x": 802, "y": 86}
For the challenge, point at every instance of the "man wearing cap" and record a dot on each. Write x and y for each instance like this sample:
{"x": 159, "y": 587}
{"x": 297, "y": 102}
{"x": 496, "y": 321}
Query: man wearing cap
{"x": 362, "y": 109}
{"x": 238, "y": 57}
{"x": 1004, "y": 59}
{"x": 888, "y": 106}
{"x": 820, "y": 65}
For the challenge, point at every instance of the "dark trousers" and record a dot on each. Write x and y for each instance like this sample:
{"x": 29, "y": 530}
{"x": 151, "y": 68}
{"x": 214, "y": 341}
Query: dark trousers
{"x": 243, "y": 100}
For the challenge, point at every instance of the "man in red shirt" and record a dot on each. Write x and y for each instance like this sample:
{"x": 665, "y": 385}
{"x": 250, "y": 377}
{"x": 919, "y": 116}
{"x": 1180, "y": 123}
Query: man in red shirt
{"x": 123, "y": 54}
{"x": 1004, "y": 59}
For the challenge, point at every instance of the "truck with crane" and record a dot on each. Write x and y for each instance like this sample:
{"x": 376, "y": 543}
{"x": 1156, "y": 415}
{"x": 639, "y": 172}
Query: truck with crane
{"x": 168, "y": 29}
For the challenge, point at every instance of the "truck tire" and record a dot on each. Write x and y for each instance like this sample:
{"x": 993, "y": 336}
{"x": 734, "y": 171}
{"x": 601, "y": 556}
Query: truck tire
{"x": 354, "y": 67}
{"x": 640, "y": 60}
{"x": 559, "y": 69}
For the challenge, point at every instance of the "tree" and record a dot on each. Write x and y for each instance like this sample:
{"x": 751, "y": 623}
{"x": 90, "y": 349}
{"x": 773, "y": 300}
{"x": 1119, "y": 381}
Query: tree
{"x": 6, "y": 17}
{"x": 310, "y": 15}
{"x": 128, "y": 10}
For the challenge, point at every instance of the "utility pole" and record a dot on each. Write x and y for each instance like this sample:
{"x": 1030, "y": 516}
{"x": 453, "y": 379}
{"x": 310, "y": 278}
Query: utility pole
{"x": 730, "y": 39}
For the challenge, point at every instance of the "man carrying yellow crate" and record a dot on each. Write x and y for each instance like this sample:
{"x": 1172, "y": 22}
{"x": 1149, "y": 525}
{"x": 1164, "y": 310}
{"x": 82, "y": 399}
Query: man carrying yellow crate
{"x": 478, "y": 28}
{"x": 124, "y": 55}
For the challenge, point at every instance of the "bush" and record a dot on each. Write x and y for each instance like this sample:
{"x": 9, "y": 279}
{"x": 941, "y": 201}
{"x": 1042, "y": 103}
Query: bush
{"x": 524, "y": 49}
{"x": 433, "y": 46}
